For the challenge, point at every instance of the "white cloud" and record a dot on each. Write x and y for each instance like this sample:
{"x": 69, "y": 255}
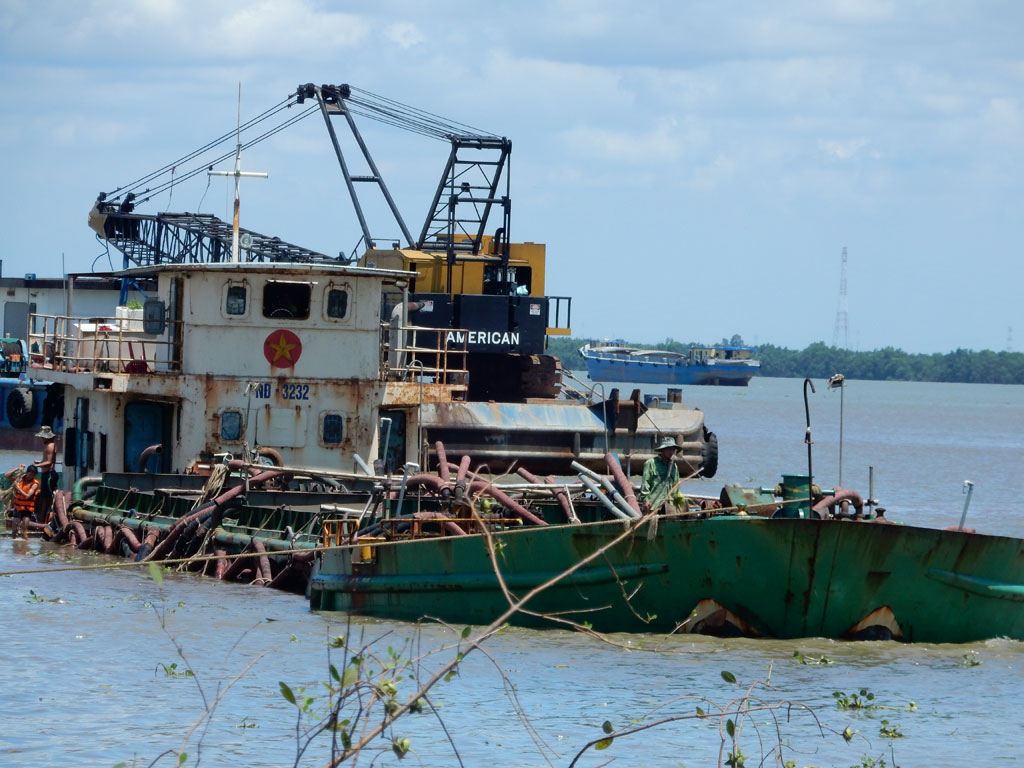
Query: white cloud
{"x": 857, "y": 11}
{"x": 718, "y": 172}
{"x": 842, "y": 149}
{"x": 404, "y": 34}
{"x": 87, "y": 131}
{"x": 280, "y": 28}
{"x": 1003, "y": 115}
{"x": 661, "y": 143}
{"x": 150, "y": 31}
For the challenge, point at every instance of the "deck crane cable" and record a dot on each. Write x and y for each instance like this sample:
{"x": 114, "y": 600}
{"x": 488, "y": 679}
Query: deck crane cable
{"x": 205, "y": 148}
{"x": 366, "y": 104}
{"x": 202, "y": 167}
{"x": 385, "y": 110}
{"x": 409, "y": 122}
{"x": 173, "y": 167}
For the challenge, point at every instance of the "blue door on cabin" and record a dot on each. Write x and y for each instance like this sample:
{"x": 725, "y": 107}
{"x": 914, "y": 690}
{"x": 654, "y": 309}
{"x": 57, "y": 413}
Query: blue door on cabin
{"x": 146, "y": 424}
{"x": 391, "y": 455}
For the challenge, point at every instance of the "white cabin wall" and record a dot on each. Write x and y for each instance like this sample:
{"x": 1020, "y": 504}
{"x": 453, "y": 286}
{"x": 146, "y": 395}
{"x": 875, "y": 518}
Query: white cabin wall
{"x": 225, "y": 370}
{"x": 294, "y": 428}
{"x": 228, "y": 397}
{"x": 234, "y": 344}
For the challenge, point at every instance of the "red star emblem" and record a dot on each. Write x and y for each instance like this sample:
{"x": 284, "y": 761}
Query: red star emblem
{"x": 282, "y": 349}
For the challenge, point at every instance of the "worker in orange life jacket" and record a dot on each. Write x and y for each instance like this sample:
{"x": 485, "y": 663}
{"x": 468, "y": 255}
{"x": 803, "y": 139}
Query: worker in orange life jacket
{"x": 26, "y": 488}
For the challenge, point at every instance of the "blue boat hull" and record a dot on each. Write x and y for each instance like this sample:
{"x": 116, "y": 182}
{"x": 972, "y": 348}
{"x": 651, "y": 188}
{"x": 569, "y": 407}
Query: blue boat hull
{"x": 683, "y": 372}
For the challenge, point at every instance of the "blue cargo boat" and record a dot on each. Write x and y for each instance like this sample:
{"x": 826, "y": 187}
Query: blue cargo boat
{"x": 733, "y": 366}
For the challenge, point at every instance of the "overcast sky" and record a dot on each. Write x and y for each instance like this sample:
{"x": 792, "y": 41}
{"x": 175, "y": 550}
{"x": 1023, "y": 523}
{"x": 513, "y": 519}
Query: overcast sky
{"x": 695, "y": 168}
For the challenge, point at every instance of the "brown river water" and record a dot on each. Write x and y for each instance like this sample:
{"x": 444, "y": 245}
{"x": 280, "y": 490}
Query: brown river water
{"x": 92, "y": 674}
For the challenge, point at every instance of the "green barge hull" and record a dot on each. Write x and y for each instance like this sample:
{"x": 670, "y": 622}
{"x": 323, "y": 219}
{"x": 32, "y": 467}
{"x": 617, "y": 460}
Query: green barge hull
{"x": 783, "y": 578}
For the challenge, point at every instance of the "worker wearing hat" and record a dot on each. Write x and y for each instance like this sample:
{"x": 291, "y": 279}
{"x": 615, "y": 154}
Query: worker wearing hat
{"x": 47, "y": 467}
{"x": 661, "y": 475}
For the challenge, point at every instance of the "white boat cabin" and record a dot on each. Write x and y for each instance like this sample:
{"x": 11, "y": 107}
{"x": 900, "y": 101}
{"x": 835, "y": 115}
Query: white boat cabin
{"x": 304, "y": 363}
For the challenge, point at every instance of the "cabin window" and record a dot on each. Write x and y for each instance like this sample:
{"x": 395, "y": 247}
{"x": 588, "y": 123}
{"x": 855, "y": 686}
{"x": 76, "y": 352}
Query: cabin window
{"x": 235, "y": 300}
{"x": 231, "y": 425}
{"x": 286, "y": 300}
{"x": 516, "y": 281}
{"x": 336, "y": 303}
{"x": 332, "y": 429}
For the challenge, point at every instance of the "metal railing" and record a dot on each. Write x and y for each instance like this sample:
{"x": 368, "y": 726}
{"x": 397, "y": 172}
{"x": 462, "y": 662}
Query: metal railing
{"x": 557, "y": 307}
{"x": 102, "y": 344}
{"x": 407, "y": 354}
{"x": 577, "y": 389}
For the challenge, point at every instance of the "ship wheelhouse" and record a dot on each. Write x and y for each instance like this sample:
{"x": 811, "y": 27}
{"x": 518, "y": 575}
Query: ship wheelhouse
{"x": 294, "y": 362}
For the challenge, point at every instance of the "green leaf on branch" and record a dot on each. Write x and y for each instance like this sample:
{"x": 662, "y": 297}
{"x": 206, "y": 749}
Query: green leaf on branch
{"x": 607, "y": 726}
{"x": 287, "y": 693}
{"x": 401, "y": 746}
{"x": 350, "y": 676}
{"x": 156, "y": 574}
{"x": 728, "y": 676}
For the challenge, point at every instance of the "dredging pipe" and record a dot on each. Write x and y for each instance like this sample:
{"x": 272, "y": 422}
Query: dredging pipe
{"x": 603, "y": 498}
{"x": 153, "y": 450}
{"x": 442, "y": 463}
{"x": 622, "y": 481}
{"x": 557, "y": 491}
{"x": 488, "y": 487}
{"x": 609, "y": 489}
{"x": 485, "y": 485}
{"x": 80, "y": 488}
{"x": 839, "y": 496}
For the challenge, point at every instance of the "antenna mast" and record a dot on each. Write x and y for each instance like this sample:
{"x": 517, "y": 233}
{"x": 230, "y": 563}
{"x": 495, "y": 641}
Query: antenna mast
{"x": 238, "y": 174}
{"x": 841, "y": 332}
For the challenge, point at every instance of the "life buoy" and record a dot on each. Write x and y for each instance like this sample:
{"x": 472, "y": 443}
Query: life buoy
{"x": 21, "y": 407}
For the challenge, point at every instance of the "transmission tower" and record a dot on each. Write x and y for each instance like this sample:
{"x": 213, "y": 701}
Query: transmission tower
{"x": 841, "y": 333}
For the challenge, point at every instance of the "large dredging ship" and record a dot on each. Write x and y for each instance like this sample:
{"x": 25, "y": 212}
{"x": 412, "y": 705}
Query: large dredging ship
{"x": 247, "y": 345}
{"x": 278, "y": 416}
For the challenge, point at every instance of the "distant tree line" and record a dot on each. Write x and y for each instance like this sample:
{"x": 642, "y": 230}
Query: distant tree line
{"x": 821, "y": 361}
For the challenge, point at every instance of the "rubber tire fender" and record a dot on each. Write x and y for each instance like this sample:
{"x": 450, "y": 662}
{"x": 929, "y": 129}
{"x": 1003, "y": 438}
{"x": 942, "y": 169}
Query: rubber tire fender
{"x": 21, "y": 407}
{"x": 709, "y": 454}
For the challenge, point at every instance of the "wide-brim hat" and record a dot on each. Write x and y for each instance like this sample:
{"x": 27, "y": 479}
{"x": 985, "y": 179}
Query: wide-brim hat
{"x": 667, "y": 442}
{"x": 46, "y": 433}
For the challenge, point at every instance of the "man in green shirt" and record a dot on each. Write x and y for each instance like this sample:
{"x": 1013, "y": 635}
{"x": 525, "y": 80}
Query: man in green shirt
{"x": 661, "y": 475}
